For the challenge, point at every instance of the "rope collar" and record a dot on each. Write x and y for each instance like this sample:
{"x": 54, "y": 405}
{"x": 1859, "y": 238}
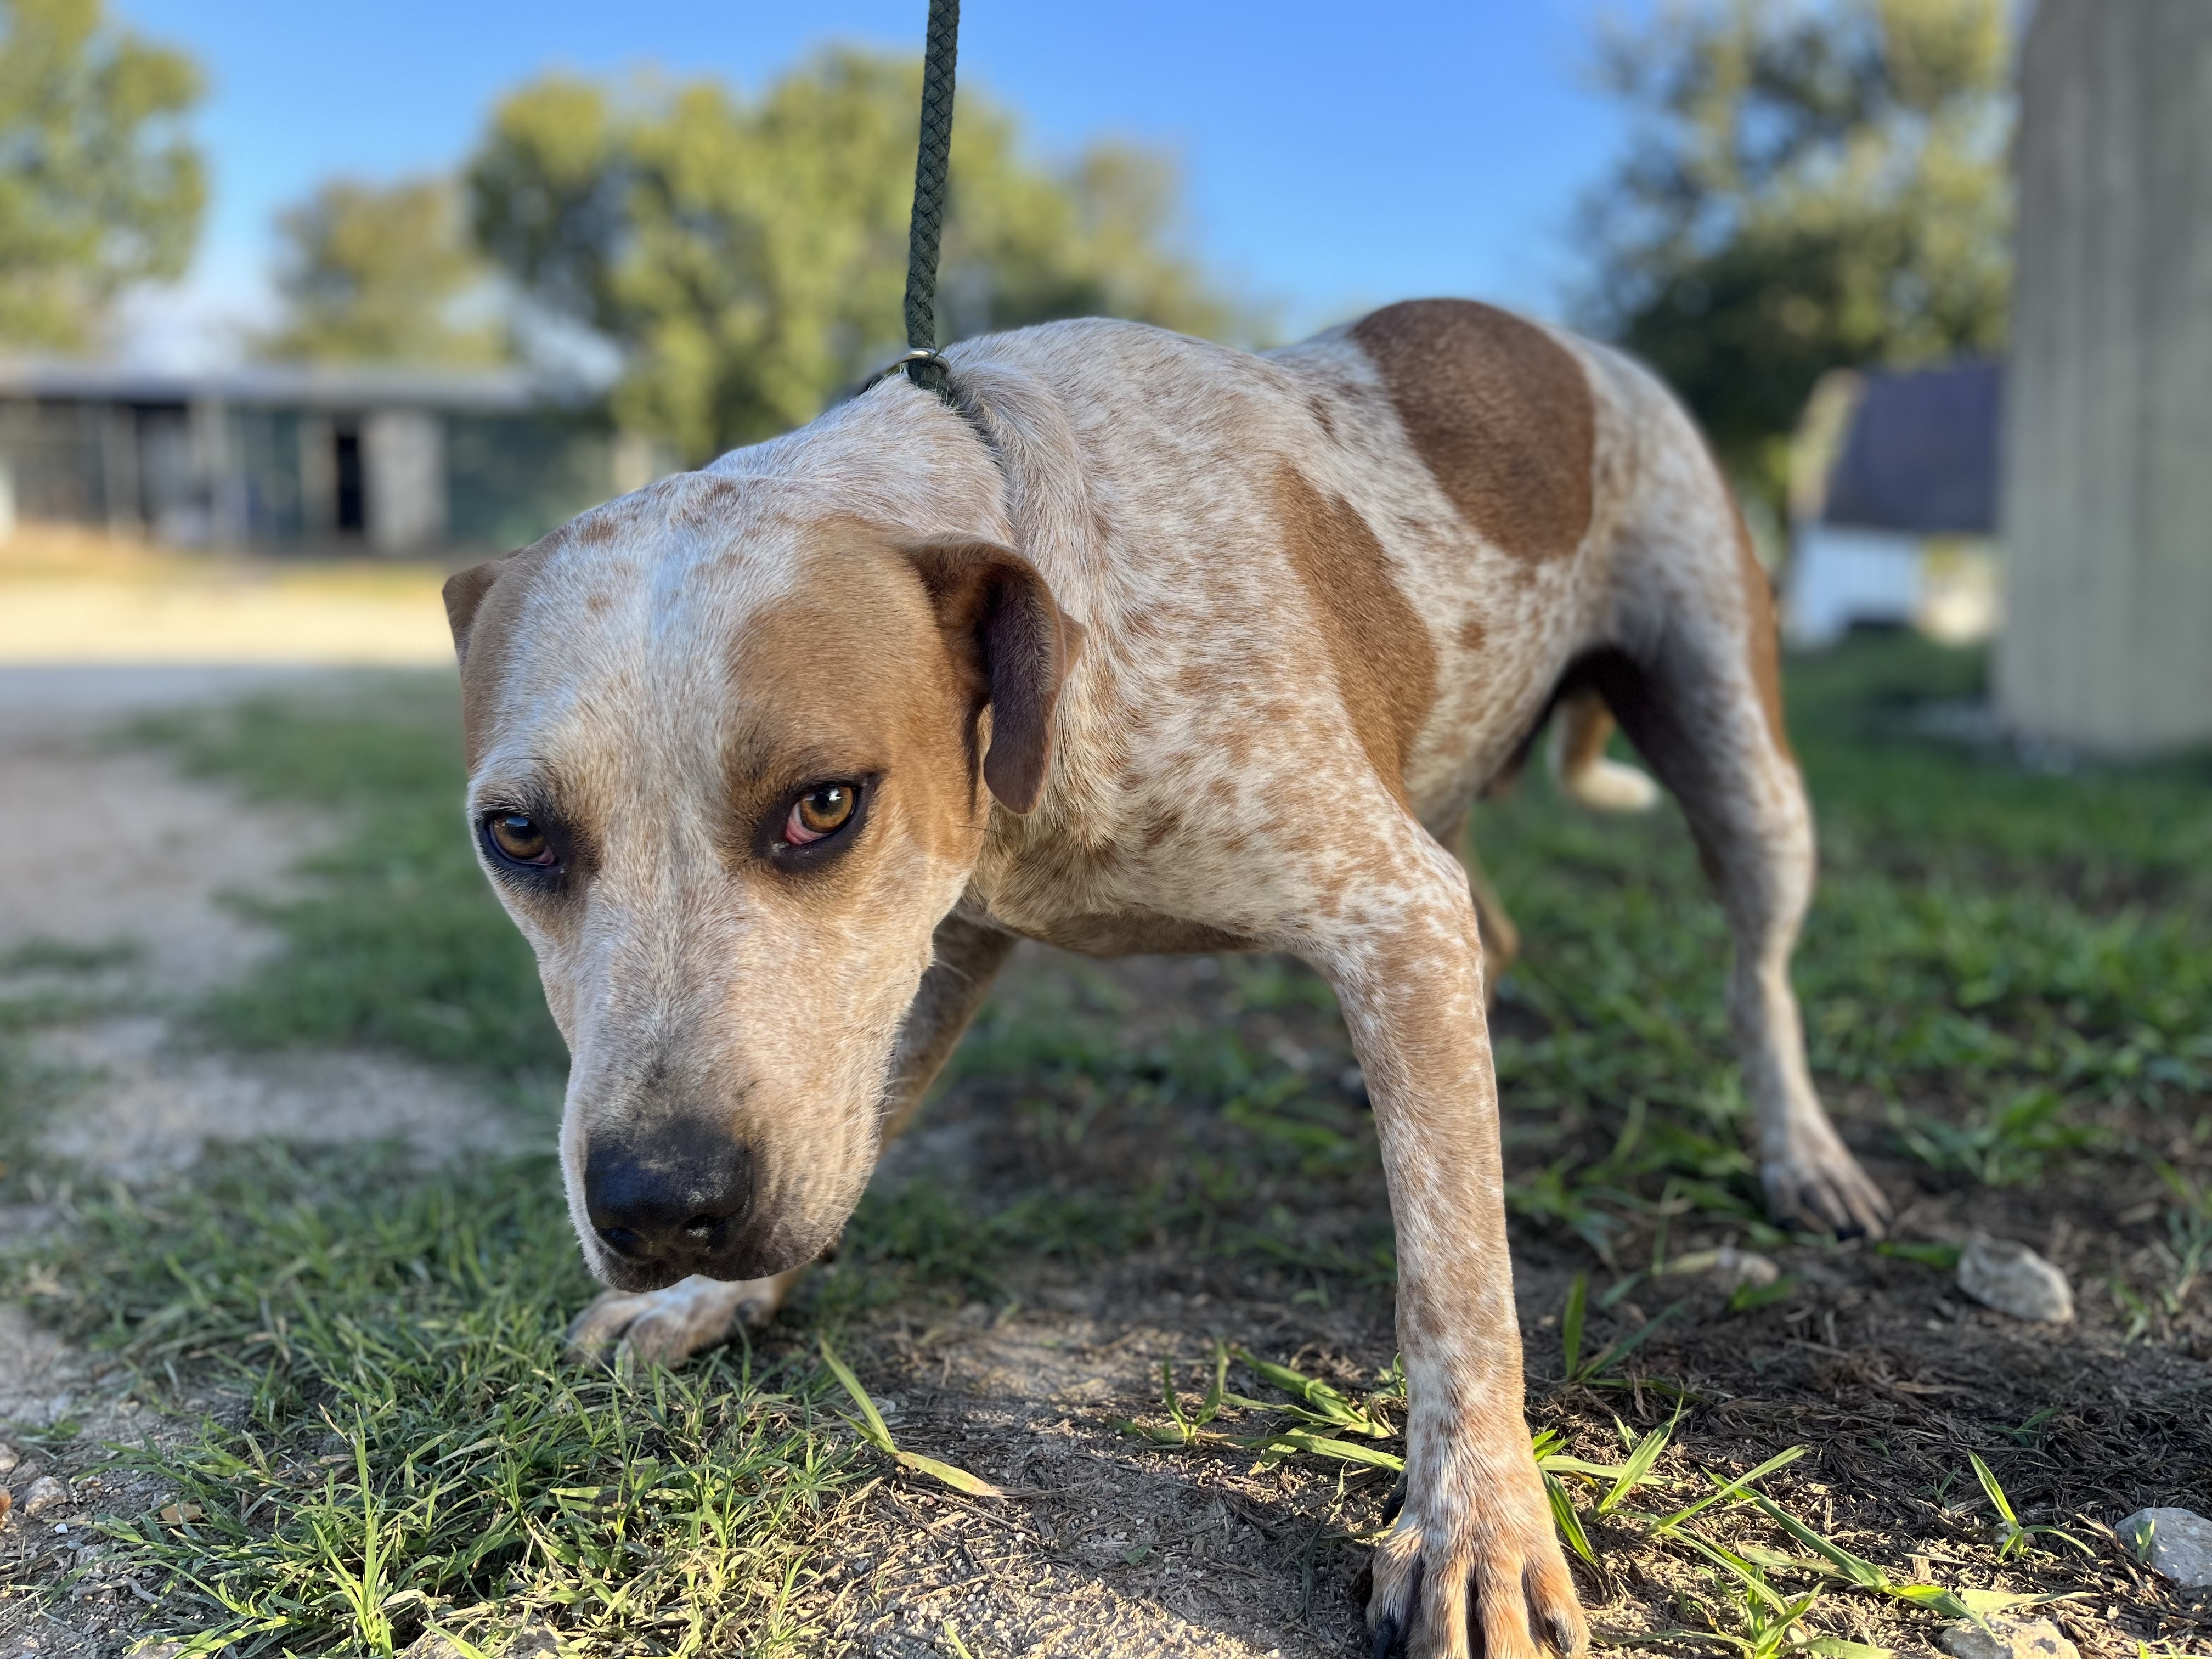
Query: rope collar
{"x": 926, "y": 368}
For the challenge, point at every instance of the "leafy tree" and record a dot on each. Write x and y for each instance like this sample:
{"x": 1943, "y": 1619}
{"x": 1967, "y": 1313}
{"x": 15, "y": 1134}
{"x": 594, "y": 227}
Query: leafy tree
{"x": 99, "y": 188}
{"x": 377, "y": 273}
{"x": 1815, "y": 183}
{"x": 748, "y": 258}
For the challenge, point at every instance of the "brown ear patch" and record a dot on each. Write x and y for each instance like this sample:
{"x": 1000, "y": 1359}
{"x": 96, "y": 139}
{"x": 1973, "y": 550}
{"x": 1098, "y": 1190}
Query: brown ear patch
{"x": 1499, "y": 412}
{"x": 1384, "y": 660}
{"x": 465, "y": 590}
{"x": 1000, "y": 622}
{"x": 481, "y": 604}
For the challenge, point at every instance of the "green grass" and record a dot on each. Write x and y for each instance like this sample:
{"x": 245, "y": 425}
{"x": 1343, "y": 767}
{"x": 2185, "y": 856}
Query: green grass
{"x": 407, "y": 1449}
{"x": 401, "y": 943}
{"x": 45, "y": 981}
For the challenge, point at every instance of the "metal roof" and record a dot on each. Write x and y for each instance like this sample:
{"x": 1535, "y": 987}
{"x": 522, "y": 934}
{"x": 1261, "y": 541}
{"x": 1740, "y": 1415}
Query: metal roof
{"x": 1920, "y": 453}
{"x": 336, "y": 386}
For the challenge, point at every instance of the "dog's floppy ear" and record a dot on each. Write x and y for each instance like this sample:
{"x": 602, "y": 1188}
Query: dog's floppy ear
{"x": 465, "y": 591}
{"x": 999, "y": 616}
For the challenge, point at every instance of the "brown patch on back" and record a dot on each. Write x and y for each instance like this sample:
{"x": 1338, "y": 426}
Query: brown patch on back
{"x": 1763, "y": 635}
{"x": 1499, "y": 412}
{"x": 1385, "y": 663}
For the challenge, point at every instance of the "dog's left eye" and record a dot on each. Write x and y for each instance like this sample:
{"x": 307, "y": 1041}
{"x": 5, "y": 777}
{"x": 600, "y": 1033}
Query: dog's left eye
{"x": 820, "y": 813}
{"x": 518, "y": 839}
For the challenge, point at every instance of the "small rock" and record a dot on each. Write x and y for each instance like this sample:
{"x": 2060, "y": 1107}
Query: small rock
{"x": 2175, "y": 1544}
{"x": 1727, "y": 1264}
{"x": 8, "y": 1458}
{"x": 2006, "y": 1638}
{"x": 2014, "y": 1279}
{"x": 44, "y": 1493}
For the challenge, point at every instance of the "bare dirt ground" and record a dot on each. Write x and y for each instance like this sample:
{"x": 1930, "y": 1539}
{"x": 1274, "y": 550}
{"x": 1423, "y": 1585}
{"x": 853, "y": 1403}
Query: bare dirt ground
{"x": 113, "y": 859}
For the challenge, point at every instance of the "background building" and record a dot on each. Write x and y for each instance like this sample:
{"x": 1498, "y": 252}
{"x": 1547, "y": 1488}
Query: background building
{"x": 291, "y": 459}
{"x": 1893, "y": 502}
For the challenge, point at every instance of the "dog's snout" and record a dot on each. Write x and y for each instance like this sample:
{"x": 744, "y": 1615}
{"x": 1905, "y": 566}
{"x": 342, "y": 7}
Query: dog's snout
{"x": 653, "y": 1207}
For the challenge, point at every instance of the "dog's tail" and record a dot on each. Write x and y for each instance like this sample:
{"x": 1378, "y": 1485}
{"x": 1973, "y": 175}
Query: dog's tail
{"x": 1580, "y": 730}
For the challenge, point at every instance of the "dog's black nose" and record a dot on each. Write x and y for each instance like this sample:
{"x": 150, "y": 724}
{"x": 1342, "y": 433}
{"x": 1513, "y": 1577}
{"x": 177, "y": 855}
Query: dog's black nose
{"x": 659, "y": 1204}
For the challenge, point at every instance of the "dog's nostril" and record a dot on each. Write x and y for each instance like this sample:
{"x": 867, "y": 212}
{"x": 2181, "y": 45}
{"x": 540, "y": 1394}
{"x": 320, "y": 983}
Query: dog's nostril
{"x": 680, "y": 1202}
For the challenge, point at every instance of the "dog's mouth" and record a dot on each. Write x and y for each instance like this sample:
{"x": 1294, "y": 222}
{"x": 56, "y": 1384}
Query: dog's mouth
{"x": 759, "y": 1252}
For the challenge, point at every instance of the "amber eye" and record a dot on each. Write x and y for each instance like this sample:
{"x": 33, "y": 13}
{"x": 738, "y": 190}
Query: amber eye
{"x": 518, "y": 839}
{"x": 820, "y": 812}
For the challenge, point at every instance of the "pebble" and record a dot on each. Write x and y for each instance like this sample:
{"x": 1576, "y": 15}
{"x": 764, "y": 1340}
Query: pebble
{"x": 8, "y": 1458}
{"x": 2006, "y": 1638}
{"x": 1727, "y": 1264}
{"x": 43, "y": 1493}
{"x": 2014, "y": 1279}
{"x": 2175, "y": 1544}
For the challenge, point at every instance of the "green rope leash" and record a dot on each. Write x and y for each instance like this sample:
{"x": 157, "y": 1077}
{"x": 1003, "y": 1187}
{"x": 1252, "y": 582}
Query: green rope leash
{"x": 931, "y": 165}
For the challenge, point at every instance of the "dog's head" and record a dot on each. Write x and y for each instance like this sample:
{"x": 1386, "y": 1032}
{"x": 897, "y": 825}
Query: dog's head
{"x": 730, "y": 764}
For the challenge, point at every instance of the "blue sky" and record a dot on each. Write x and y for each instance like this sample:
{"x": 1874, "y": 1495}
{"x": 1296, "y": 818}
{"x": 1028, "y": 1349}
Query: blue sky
{"x": 1335, "y": 156}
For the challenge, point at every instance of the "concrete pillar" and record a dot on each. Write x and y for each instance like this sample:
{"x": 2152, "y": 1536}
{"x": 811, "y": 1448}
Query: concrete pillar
{"x": 2107, "y": 498}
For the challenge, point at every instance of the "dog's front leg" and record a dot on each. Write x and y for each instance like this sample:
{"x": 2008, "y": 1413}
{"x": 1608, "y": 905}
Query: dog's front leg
{"x": 665, "y": 1328}
{"x": 1473, "y": 1564}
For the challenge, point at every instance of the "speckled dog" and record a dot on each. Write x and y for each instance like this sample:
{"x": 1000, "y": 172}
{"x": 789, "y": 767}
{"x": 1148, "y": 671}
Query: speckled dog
{"x": 1148, "y": 646}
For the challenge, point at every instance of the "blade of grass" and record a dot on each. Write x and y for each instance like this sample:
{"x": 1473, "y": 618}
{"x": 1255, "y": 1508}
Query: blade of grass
{"x": 1569, "y": 1524}
{"x": 878, "y": 1434}
{"x": 1638, "y": 1466}
{"x": 1736, "y": 1488}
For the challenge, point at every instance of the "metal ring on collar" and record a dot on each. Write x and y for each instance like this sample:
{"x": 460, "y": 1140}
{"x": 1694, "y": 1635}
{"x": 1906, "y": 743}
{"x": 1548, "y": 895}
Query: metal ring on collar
{"x": 904, "y": 364}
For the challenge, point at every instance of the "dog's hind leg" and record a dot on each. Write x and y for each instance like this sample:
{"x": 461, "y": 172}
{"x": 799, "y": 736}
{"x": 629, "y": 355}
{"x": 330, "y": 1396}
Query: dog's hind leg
{"x": 1699, "y": 694}
{"x": 667, "y": 1326}
{"x": 1578, "y": 764}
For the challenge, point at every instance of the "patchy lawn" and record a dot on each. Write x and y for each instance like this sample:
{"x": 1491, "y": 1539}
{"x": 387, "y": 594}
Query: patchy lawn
{"x": 1170, "y": 1161}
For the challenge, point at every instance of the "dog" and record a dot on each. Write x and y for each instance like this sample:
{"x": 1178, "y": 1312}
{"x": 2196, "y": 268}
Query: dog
{"x": 1132, "y": 643}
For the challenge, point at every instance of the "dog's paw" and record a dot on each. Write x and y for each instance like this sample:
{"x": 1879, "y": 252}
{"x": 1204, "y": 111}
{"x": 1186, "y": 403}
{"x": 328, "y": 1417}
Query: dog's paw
{"x": 666, "y": 1327}
{"x": 1812, "y": 1180}
{"x": 1473, "y": 1564}
{"x": 1611, "y": 786}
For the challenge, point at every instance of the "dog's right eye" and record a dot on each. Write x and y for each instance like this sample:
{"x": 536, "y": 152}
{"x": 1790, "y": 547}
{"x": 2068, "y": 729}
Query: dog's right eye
{"x": 518, "y": 839}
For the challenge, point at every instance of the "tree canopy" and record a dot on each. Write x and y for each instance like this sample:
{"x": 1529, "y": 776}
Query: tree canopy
{"x": 748, "y": 256}
{"x": 1812, "y": 184}
{"x": 377, "y": 273}
{"x": 99, "y": 187}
